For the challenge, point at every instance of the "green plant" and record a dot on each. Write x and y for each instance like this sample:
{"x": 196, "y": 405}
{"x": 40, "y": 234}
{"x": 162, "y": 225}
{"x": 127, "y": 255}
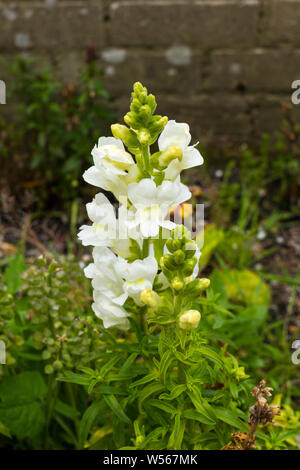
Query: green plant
{"x": 46, "y": 146}
{"x": 171, "y": 381}
{"x": 46, "y": 328}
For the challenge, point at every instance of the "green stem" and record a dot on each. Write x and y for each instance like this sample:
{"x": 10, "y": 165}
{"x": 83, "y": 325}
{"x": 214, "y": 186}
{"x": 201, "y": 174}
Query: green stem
{"x": 146, "y": 245}
{"x": 146, "y": 160}
{"x": 51, "y": 400}
{"x": 73, "y": 404}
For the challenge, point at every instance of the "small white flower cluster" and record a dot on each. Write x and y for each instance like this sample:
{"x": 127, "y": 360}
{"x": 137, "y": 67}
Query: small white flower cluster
{"x": 114, "y": 279}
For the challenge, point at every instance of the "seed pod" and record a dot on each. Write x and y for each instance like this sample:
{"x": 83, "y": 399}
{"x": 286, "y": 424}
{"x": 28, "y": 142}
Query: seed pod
{"x": 48, "y": 369}
{"x": 58, "y": 365}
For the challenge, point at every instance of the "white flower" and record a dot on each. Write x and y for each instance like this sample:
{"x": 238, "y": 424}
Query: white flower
{"x": 111, "y": 164}
{"x": 109, "y": 294}
{"x": 137, "y": 276}
{"x": 178, "y": 134}
{"x": 110, "y": 313}
{"x": 103, "y": 230}
{"x": 152, "y": 204}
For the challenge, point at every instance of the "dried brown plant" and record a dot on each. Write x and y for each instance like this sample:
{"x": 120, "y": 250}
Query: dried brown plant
{"x": 260, "y": 413}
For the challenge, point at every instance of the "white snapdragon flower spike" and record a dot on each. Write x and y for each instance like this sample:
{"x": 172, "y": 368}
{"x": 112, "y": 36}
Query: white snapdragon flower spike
{"x": 119, "y": 239}
{"x": 137, "y": 276}
{"x": 151, "y": 204}
{"x": 178, "y": 134}
{"x": 103, "y": 229}
{"x": 112, "y": 166}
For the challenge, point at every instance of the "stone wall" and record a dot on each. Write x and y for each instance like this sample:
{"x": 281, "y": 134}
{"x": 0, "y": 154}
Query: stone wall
{"x": 224, "y": 66}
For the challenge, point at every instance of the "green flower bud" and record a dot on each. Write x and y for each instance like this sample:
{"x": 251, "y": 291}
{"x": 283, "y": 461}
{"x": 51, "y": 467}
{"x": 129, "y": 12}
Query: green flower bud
{"x": 188, "y": 267}
{"x": 173, "y": 245}
{"x": 157, "y": 124}
{"x": 190, "y": 249}
{"x": 205, "y": 283}
{"x": 189, "y": 319}
{"x": 168, "y": 262}
{"x": 145, "y": 112}
{"x": 126, "y": 135}
{"x": 179, "y": 257}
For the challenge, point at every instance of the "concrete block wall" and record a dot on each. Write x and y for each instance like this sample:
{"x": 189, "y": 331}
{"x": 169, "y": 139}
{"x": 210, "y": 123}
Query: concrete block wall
{"x": 224, "y": 66}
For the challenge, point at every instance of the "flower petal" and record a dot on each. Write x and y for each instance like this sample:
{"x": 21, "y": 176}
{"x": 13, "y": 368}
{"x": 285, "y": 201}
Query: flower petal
{"x": 174, "y": 133}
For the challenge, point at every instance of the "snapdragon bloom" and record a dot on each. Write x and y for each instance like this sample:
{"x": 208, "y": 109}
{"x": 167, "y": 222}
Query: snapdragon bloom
{"x": 178, "y": 134}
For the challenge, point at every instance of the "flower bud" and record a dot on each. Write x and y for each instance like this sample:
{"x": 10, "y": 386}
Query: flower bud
{"x": 170, "y": 154}
{"x": 190, "y": 248}
{"x": 173, "y": 245}
{"x": 179, "y": 257}
{"x": 189, "y": 319}
{"x": 145, "y": 112}
{"x": 150, "y": 298}
{"x": 126, "y": 135}
{"x": 143, "y": 136}
{"x": 177, "y": 283}
{"x": 196, "y": 286}
{"x": 205, "y": 283}
{"x": 168, "y": 262}
{"x": 189, "y": 267}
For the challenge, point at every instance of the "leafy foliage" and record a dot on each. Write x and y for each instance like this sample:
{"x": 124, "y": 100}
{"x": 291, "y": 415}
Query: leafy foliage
{"x": 47, "y": 146}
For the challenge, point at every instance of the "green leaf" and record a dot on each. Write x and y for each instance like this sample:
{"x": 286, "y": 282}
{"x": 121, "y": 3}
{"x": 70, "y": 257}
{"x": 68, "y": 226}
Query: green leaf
{"x": 197, "y": 416}
{"x": 65, "y": 410}
{"x": 230, "y": 417}
{"x": 114, "y": 405}
{"x": 12, "y": 274}
{"x": 176, "y": 391}
{"x": 177, "y": 433}
{"x": 203, "y": 407}
{"x": 22, "y": 404}
{"x": 109, "y": 366}
{"x": 107, "y": 389}
{"x": 162, "y": 406}
{"x": 165, "y": 363}
{"x": 150, "y": 390}
{"x": 4, "y": 430}
{"x": 212, "y": 238}
{"x": 74, "y": 378}
{"x": 148, "y": 378}
{"x": 128, "y": 363}
{"x": 211, "y": 354}
{"x": 89, "y": 417}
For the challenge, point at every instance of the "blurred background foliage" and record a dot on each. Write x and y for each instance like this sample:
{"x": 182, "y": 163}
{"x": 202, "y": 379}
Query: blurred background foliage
{"x": 251, "y": 255}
